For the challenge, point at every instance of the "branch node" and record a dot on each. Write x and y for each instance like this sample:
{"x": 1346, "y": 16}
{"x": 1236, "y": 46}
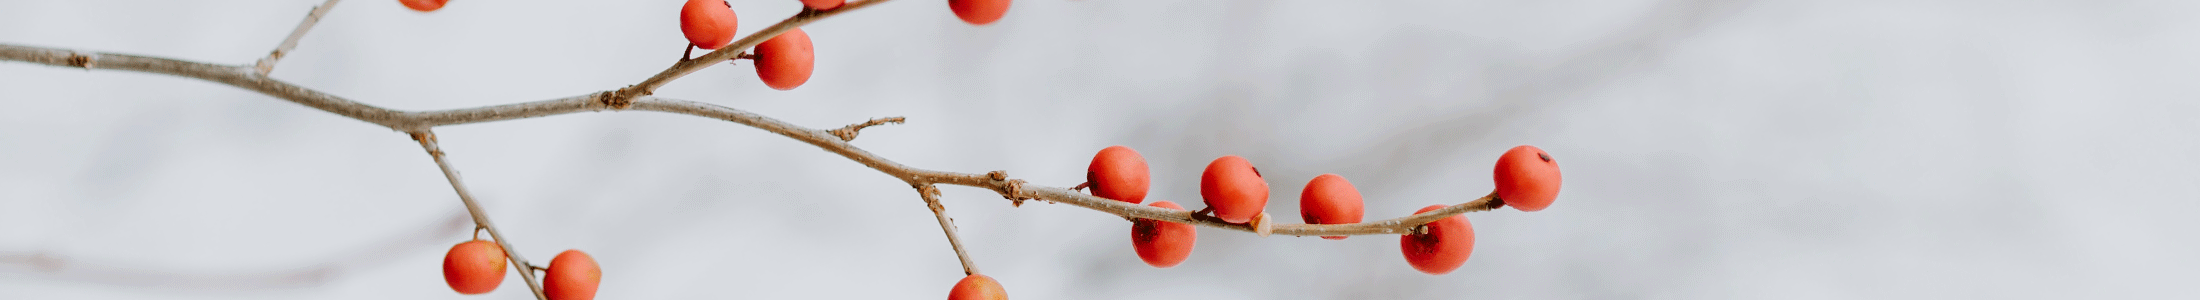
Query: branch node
{"x": 1013, "y": 189}
{"x": 848, "y": 133}
{"x": 617, "y": 99}
{"x": 80, "y": 60}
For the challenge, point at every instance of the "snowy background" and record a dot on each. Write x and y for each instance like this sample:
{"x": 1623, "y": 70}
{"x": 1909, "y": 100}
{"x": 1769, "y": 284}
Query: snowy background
{"x": 1713, "y": 149}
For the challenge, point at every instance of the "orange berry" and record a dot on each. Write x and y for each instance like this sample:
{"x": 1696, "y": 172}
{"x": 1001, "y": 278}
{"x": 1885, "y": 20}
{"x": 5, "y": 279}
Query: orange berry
{"x": 1444, "y": 247}
{"x": 823, "y": 4}
{"x": 708, "y": 24}
{"x": 474, "y": 267}
{"x": 1329, "y": 199}
{"x": 978, "y": 12}
{"x": 572, "y": 276}
{"x": 423, "y": 5}
{"x": 1527, "y": 178}
{"x": 1233, "y": 189}
{"x": 1163, "y": 244}
{"x": 977, "y": 287}
{"x": 1118, "y": 173}
{"x": 785, "y": 61}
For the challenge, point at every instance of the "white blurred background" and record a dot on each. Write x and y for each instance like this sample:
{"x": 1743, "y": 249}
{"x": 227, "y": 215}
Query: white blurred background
{"x": 1713, "y": 149}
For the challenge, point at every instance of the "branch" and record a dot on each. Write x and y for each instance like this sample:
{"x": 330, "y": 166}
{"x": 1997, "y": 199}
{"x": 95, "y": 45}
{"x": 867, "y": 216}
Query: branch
{"x": 267, "y": 64}
{"x": 481, "y": 218}
{"x": 836, "y": 141}
{"x": 419, "y": 121}
{"x": 931, "y": 195}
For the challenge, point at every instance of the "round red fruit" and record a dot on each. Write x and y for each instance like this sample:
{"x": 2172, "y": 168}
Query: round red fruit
{"x": 1233, "y": 189}
{"x": 1329, "y": 199}
{"x": 474, "y": 267}
{"x": 572, "y": 276}
{"x": 1442, "y": 247}
{"x": 785, "y": 61}
{"x": 708, "y": 24}
{"x": 977, "y": 287}
{"x": 1527, "y": 178}
{"x": 823, "y": 4}
{"x": 1163, "y": 244}
{"x": 978, "y": 12}
{"x": 423, "y": 5}
{"x": 1118, "y": 173}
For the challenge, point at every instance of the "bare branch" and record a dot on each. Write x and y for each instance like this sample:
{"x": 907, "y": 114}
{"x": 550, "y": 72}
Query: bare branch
{"x": 481, "y": 218}
{"x": 267, "y": 64}
{"x": 931, "y": 195}
{"x": 848, "y": 133}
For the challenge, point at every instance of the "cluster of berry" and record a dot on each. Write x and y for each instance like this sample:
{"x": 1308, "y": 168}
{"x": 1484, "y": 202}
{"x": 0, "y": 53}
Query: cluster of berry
{"x": 1235, "y": 192}
{"x": 477, "y": 267}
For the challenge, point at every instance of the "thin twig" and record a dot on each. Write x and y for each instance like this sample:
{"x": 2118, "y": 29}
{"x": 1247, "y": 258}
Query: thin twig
{"x": 267, "y": 64}
{"x": 931, "y": 195}
{"x": 481, "y": 218}
{"x": 848, "y": 133}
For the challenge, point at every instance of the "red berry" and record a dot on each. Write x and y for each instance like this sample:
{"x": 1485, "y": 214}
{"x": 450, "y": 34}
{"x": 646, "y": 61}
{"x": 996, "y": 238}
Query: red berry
{"x": 708, "y": 24}
{"x": 474, "y": 267}
{"x": 1444, "y": 247}
{"x": 1163, "y": 244}
{"x": 423, "y": 5}
{"x": 823, "y": 4}
{"x": 1527, "y": 178}
{"x": 1329, "y": 199}
{"x": 978, "y": 12}
{"x": 572, "y": 276}
{"x": 977, "y": 287}
{"x": 1234, "y": 189}
{"x": 785, "y": 61}
{"x": 1118, "y": 173}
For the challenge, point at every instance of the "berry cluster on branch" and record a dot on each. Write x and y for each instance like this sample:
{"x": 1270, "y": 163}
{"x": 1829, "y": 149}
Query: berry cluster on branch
{"x": 1436, "y": 239}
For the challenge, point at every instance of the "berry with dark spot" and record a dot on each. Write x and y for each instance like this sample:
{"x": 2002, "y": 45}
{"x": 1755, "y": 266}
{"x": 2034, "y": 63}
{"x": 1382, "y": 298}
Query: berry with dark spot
{"x": 1527, "y": 178}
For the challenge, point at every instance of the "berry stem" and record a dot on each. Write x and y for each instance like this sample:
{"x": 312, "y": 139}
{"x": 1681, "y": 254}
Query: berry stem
{"x": 481, "y": 217}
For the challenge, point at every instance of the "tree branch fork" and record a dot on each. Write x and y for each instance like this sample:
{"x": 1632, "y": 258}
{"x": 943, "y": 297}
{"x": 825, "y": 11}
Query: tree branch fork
{"x": 419, "y": 124}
